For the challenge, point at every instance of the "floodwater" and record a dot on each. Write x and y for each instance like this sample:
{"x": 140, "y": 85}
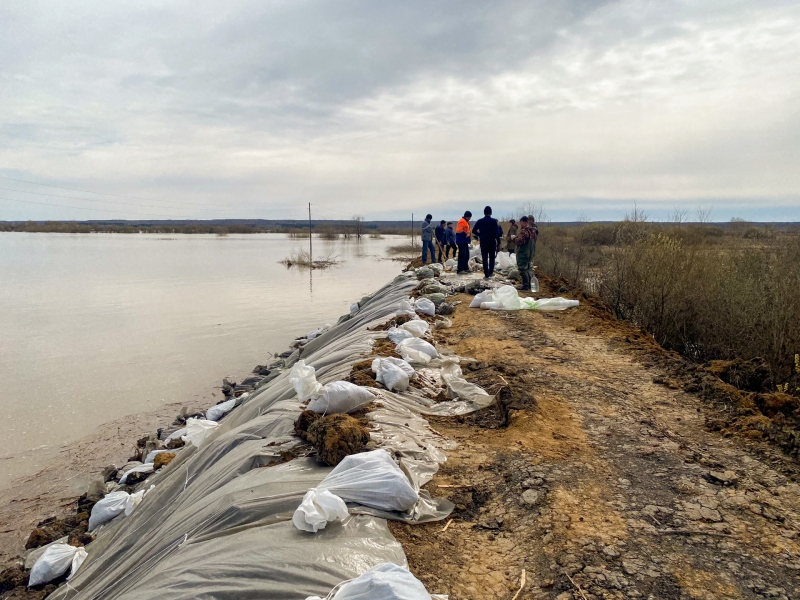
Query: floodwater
{"x": 94, "y": 327}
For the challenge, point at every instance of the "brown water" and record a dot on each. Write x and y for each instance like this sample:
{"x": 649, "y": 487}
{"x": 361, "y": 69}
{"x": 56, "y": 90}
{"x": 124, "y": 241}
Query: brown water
{"x": 96, "y": 327}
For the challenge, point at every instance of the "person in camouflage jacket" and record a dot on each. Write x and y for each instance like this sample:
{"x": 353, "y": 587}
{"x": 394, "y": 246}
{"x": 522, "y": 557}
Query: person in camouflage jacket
{"x": 526, "y": 248}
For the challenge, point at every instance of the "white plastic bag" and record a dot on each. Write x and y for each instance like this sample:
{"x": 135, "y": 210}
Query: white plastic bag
{"x": 382, "y": 582}
{"x": 392, "y": 372}
{"x": 503, "y": 260}
{"x": 303, "y": 379}
{"x": 318, "y": 332}
{"x": 113, "y": 505}
{"x": 55, "y": 561}
{"x": 107, "y": 508}
{"x": 145, "y": 468}
{"x": 450, "y": 264}
{"x": 354, "y": 308}
{"x": 318, "y": 508}
{"x": 549, "y": 303}
{"x": 198, "y": 430}
{"x": 404, "y": 307}
{"x": 369, "y": 478}
{"x": 437, "y": 268}
{"x": 340, "y": 397}
{"x": 397, "y": 335}
{"x": 481, "y": 297}
{"x": 416, "y": 351}
{"x": 216, "y": 412}
{"x": 417, "y": 327}
{"x": 425, "y": 306}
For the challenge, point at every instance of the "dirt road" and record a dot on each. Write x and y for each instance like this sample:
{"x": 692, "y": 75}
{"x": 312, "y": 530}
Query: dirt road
{"x": 601, "y": 479}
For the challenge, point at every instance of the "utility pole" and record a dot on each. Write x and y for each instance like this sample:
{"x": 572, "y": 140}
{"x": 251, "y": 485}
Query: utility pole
{"x": 412, "y": 229}
{"x": 310, "y": 247}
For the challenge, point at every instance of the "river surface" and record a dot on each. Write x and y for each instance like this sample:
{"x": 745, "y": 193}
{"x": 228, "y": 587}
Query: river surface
{"x": 94, "y": 327}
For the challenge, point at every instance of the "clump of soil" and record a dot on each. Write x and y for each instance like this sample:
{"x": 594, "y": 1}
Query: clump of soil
{"x": 75, "y": 527}
{"x": 13, "y": 576}
{"x": 748, "y": 375}
{"x": 163, "y": 459}
{"x": 362, "y": 374}
{"x": 384, "y": 347}
{"x": 333, "y": 436}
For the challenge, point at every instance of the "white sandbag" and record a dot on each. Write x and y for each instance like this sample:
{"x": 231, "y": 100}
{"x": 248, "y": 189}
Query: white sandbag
{"x": 368, "y": 478}
{"x": 354, "y": 308}
{"x": 549, "y": 303}
{"x": 417, "y": 327}
{"x": 508, "y": 297}
{"x": 392, "y": 372}
{"x": 425, "y": 306}
{"x": 450, "y": 264}
{"x": 55, "y": 561}
{"x": 303, "y": 379}
{"x": 397, "y": 335}
{"x": 107, "y": 508}
{"x": 197, "y": 430}
{"x": 145, "y": 468}
{"x": 318, "y": 332}
{"x": 416, "y": 351}
{"x": 481, "y": 297}
{"x": 475, "y": 264}
{"x": 474, "y": 251}
{"x": 216, "y": 412}
{"x": 504, "y": 261}
{"x": 340, "y": 397}
{"x": 318, "y": 508}
{"x": 437, "y": 268}
{"x": 460, "y": 388}
{"x": 382, "y": 582}
{"x": 442, "y": 323}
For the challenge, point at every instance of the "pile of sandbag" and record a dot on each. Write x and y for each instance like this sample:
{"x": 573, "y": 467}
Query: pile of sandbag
{"x": 371, "y": 479}
{"x": 507, "y": 298}
{"x": 416, "y": 351}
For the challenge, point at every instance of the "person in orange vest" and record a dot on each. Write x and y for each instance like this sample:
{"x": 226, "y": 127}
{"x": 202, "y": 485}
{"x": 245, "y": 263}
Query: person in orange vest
{"x": 463, "y": 240}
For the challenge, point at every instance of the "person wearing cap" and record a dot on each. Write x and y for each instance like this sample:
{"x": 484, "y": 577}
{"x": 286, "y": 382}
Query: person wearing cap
{"x": 449, "y": 240}
{"x": 440, "y": 240}
{"x": 511, "y": 247}
{"x": 490, "y": 234}
{"x": 526, "y": 246}
{"x": 427, "y": 240}
{"x": 463, "y": 237}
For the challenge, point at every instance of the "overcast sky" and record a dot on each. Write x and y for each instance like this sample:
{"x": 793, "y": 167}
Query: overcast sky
{"x": 252, "y": 109}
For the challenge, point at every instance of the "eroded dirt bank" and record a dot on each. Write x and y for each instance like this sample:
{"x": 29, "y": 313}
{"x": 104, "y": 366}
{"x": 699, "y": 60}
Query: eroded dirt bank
{"x": 598, "y": 474}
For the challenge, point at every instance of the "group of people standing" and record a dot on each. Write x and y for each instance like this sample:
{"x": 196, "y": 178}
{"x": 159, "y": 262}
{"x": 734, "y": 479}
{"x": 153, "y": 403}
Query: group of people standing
{"x": 519, "y": 240}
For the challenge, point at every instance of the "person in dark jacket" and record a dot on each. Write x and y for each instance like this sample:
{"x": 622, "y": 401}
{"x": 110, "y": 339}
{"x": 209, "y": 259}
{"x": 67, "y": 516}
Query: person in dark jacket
{"x": 440, "y": 241}
{"x": 463, "y": 237}
{"x": 449, "y": 240}
{"x": 490, "y": 234}
{"x": 427, "y": 240}
{"x": 526, "y": 247}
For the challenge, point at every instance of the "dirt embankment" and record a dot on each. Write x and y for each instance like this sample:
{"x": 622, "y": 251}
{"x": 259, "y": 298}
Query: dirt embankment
{"x": 603, "y": 472}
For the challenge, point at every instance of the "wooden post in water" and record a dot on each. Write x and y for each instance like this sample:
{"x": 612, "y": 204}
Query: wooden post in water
{"x": 310, "y": 247}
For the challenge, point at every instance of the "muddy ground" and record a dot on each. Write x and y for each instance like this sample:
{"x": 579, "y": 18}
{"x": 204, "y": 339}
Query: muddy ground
{"x": 599, "y": 475}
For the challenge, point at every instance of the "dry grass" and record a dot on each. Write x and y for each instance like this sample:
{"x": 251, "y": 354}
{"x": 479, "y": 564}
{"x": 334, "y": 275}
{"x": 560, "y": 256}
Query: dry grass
{"x": 704, "y": 291}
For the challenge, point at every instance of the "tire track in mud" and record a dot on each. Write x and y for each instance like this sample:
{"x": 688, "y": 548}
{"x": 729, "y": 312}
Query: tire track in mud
{"x": 604, "y": 484}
